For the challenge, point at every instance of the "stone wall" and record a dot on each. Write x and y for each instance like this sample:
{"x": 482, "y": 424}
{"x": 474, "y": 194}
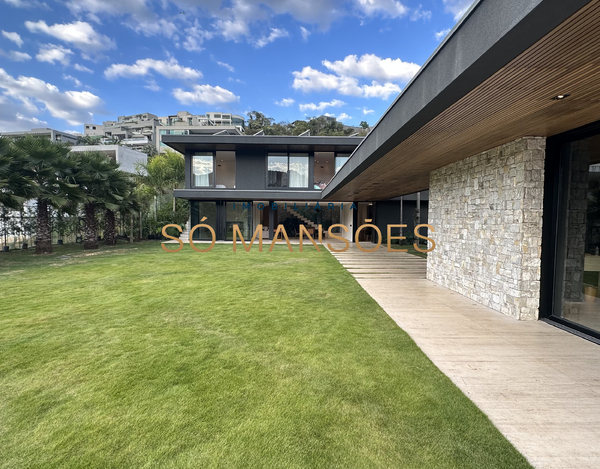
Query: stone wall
{"x": 487, "y": 214}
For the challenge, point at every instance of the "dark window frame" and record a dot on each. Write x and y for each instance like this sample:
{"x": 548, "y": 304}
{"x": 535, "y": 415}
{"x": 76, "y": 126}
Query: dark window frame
{"x": 553, "y": 233}
{"x": 286, "y": 154}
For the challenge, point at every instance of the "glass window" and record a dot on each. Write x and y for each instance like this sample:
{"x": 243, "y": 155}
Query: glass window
{"x": 298, "y": 170}
{"x": 277, "y": 171}
{"x": 200, "y": 210}
{"x": 340, "y": 160}
{"x": 203, "y": 170}
{"x": 577, "y": 286}
{"x": 284, "y": 171}
{"x": 240, "y": 214}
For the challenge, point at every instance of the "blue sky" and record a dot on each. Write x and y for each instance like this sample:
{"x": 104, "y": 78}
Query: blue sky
{"x": 63, "y": 64}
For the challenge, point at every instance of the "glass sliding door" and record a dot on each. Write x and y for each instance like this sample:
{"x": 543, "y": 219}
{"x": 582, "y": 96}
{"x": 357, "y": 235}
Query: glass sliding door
{"x": 200, "y": 210}
{"x": 240, "y": 214}
{"x": 577, "y": 271}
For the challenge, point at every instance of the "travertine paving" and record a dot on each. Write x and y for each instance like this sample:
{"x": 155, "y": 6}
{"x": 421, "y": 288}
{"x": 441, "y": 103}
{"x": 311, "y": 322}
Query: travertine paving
{"x": 538, "y": 384}
{"x": 380, "y": 264}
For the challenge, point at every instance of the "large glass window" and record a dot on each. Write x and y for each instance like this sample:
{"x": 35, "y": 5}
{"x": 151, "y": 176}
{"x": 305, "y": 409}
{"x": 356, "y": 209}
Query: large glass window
{"x": 287, "y": 171}
{"x": 203, "y": 170}
{"x": 200, "y": 210}
{"x": 240, "y": 214}
{"x": 278, "y": 171}
{"x": 577, "y": 287}
{"x": 340, "y": 160}
{"x": 298, "y": 170}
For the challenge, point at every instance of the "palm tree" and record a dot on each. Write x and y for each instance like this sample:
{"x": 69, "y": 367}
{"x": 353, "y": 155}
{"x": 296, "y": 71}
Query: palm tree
{"x": 92, "y": 176}
{"x": 122, "y": 194}
{"x": 47, "y": 165}
{"x": 15, "y": 187}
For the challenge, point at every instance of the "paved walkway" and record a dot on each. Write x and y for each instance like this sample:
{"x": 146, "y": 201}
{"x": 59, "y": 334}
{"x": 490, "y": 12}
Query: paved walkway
{"x": 381, "y": 264}
{"x": 538, "y": 384}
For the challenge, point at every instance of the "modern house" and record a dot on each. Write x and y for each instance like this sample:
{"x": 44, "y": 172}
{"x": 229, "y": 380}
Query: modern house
{"x": 138, "y": 130}
{"x": 501, "y": 125}
{"x": 270, "y": 180}
{"x": 54, "y": 135}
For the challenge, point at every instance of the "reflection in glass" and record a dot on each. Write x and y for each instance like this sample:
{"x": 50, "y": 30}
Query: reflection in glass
{"x": 298, "y": 171}
{"x": 200, "y": 210}
{"x": 578, "y": 279}
{"x": 203, "y": 169}
{"x": 340, "y": 160}
{"x": 277, "y": 171}
{"x": 240, "y": 214}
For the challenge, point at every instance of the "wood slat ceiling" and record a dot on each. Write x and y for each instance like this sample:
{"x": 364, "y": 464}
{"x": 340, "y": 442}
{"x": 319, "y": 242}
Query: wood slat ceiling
{"x": 514, "y": 102}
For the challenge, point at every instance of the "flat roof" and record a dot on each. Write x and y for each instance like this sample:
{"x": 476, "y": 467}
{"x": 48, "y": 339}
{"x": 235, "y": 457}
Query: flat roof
{"x": 181, "y": 143}
{"x": 490, "y": 81}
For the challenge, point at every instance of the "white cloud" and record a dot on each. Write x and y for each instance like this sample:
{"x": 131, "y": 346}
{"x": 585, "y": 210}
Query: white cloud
{"x": 321, "y": 106}
{"x": 72, "y": 79}
{"x": 371, "y": 66}
{"x": 195, "y": 37}
{"x": 33, "y": 120}
{"x": 366, "y": 111}
{"x": 78, "y": 34}
{"x": 457, "y": 7}
{"x": 226, "y": 65}
{"x": 152, "y": 86}
{"x": 275, "y": 34}
{"x": 15, "y": 56}
{"x": 14, "y": 37}
{"x": 205, "y": 94}
{"x": 81, "y": 68}
{"x": 420, "y": 14}
{"x": 344, "y": 117}
{"x": 305, "y": 33}
{"x": 441, "y": 34}
{"x": 138, "y": 8}
{"x": 376, "y": 90}
{"x": 309, "y": 79}
{"x": 285, "y": 102}
{"x": 52, "y": 53}
{"x": 143, "y": 67}
{"x": 26, "y": 4}
{"x": 384, "y": 73}
{"x": 75, "y": 107}
{"x": 392, "y": 8}
{"x": 154, "y": 27}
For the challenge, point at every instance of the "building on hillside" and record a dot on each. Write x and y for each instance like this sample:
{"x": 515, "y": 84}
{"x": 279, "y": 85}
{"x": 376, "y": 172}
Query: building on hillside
{"x": 129, "y": 160}
{"x": 138, "y": 130}
{"x": 54, "y": 135}
{"x": 500, "y": 125}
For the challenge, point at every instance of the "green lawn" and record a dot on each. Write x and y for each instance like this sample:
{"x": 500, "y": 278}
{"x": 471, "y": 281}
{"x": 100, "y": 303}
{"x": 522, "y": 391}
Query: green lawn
{"x": 130, "y": 357}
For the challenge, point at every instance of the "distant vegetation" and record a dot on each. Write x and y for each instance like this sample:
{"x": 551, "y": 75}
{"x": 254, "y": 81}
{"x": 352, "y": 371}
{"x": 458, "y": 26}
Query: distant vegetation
{"x": 257, "y": 121}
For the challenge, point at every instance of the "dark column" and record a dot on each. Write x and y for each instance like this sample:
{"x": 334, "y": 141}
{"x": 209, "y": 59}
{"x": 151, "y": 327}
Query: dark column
{"x": 272, "y": 220}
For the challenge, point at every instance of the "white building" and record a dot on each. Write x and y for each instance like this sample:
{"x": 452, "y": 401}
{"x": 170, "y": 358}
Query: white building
{"x": 138, "y": 130}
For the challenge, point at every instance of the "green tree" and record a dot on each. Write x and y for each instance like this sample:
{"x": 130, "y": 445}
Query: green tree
{"x": 93, "y": 176}
{"x": 364, "y": 125}
{"x": 257, "y": 121}
{"x": 150, "y": 150}
{"x": 15, "y": 187}
{"x": 163, "y": 173}
{"x": 121, "y": 193}
{"x": 48, "y": 166}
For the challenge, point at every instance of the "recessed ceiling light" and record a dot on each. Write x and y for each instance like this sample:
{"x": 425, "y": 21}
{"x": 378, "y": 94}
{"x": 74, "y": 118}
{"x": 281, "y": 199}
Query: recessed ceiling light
{"x": 560, "y": 96}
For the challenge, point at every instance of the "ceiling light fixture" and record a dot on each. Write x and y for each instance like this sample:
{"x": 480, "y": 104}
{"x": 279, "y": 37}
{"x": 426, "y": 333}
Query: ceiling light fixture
{"x": 560, "y": 96}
